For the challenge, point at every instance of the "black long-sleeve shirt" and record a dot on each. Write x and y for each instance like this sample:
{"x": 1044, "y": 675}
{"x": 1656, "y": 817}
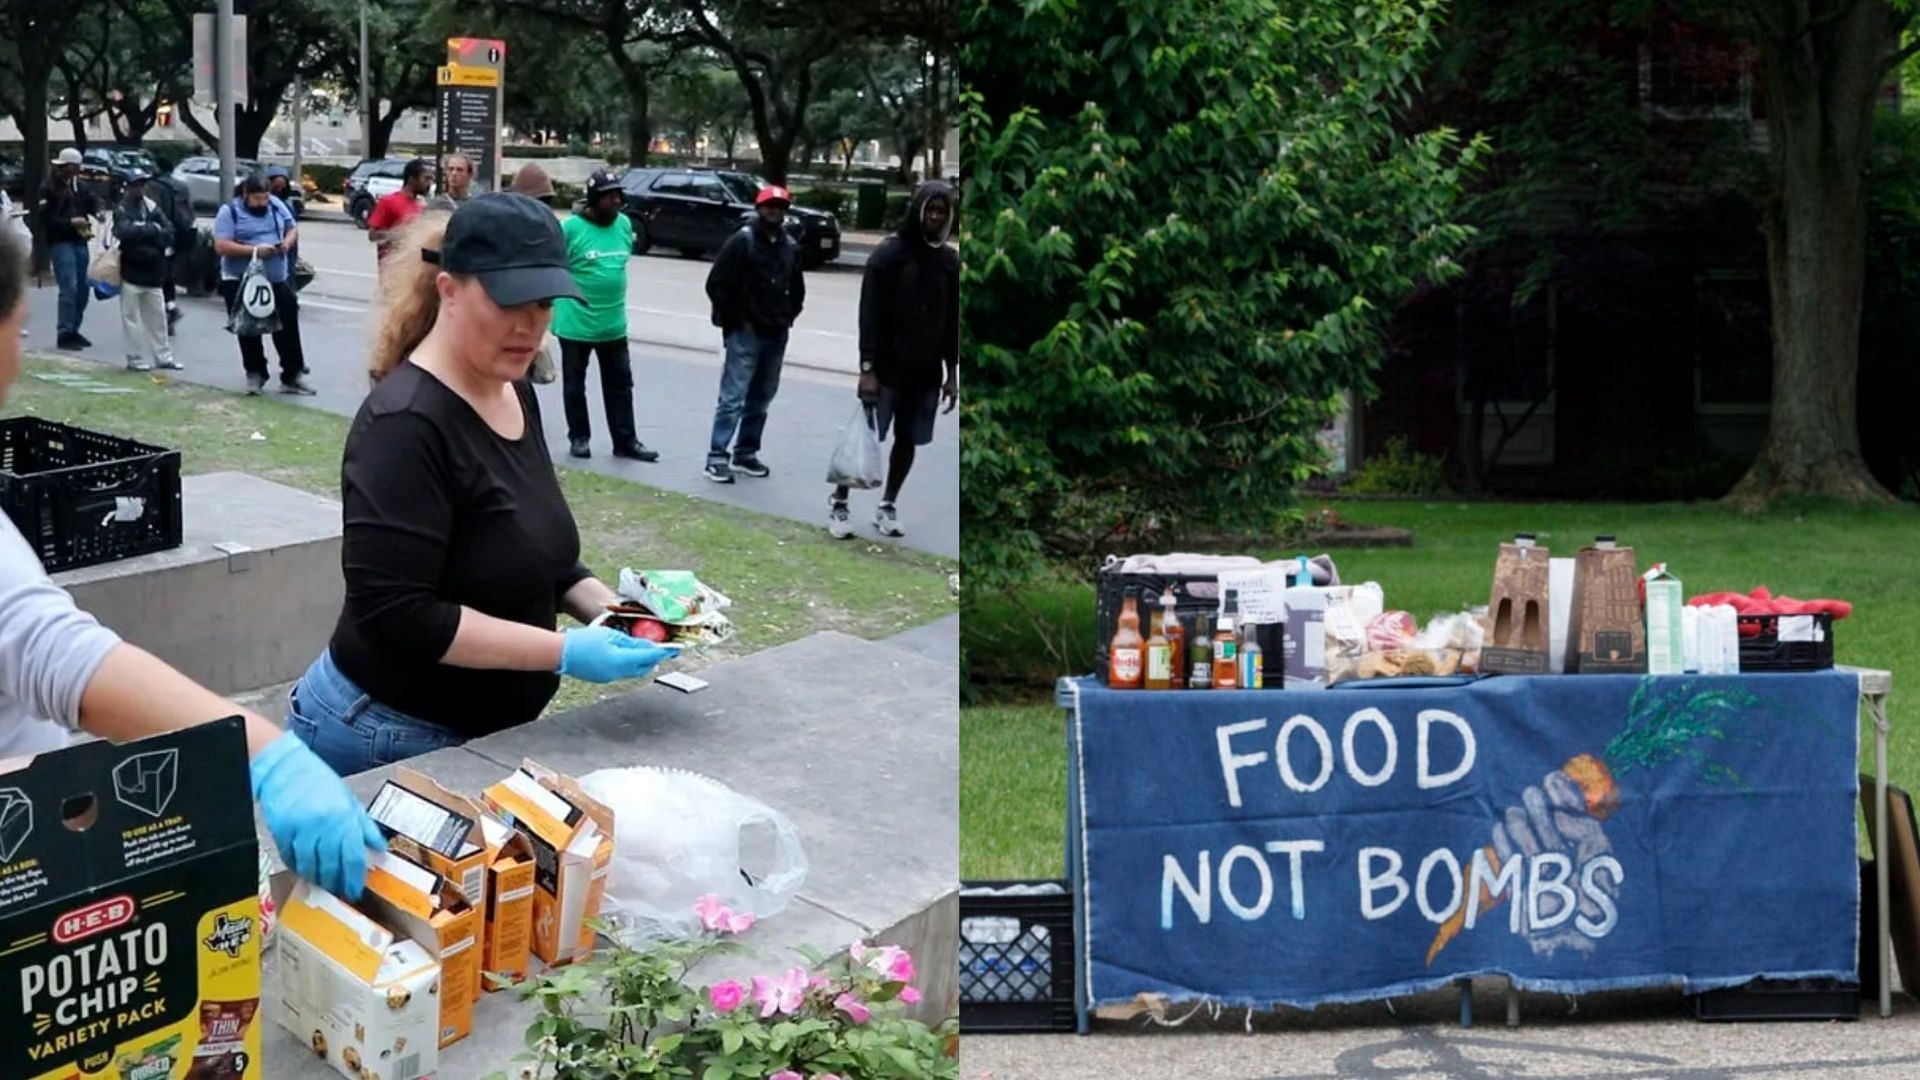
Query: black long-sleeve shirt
{"x": 756, "y": 282}
{"x": 440, "y": 513}
{"x": 145, "y": 236}
{"x": 60, "y": 202}
{"x": 910, "y": 303}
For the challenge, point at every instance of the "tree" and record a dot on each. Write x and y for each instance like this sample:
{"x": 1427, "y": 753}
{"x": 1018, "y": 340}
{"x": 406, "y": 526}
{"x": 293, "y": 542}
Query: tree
{"x": 284, "y": 42}
{"x": 640, "y": 38}
{"x": 900, "y": 85}
{"x": 126, "y": 65}
{"x": 846, "y": 118}
{"x": 1187, "y": 220}
{"x": 406, "y": 43}
{"x": 36, "y": 35}
{"x": 775, "y": 68}
{"x": 1824, "y": 65}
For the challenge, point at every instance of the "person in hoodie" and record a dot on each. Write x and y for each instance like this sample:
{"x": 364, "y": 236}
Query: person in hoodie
{"x": 145, "y": 236}
{"x": 757, "y": 291}
{"x": 909, "y": 344}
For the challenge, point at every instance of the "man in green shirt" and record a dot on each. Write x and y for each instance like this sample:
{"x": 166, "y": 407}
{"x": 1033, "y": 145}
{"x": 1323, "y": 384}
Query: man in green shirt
{"x": 599, "y": 242}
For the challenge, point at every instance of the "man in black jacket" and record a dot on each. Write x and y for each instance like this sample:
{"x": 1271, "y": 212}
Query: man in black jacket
{"x": 757, "y": 292}
{"x": 176, "y": 205}
{"x": 145, "y": 236}
{"x": 909, "y": 343}
{"x": 66, "y": 224}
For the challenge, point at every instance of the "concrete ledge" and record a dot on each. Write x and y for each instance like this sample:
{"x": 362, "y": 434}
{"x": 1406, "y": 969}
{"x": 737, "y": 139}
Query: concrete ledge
{"x": 248, "y": 599}
{"x": 857, "y": 742}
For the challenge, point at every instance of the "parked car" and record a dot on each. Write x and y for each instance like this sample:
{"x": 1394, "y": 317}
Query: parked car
{"x": 107, "y": 168}
{"x": 202, "y": 177}
{"x": 694, "y": 211}
{"x": 368, "y": 183}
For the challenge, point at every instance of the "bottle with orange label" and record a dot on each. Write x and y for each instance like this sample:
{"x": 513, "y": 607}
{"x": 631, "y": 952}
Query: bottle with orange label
{"x": 1127, "y": 653}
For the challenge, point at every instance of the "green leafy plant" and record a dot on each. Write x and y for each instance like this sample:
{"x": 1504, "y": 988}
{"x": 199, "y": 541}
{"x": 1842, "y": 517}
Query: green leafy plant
{"x": 636, "y": 1013}
{"x": 834, "y": 201}
{"x": 1186, "y": 222}
{"x": 1400, "y": 470}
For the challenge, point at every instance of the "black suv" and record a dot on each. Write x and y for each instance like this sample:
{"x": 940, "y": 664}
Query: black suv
{"x": 695, "y": 210}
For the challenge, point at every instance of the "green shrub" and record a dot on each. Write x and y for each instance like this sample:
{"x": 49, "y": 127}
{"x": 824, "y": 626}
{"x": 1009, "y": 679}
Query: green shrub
{"x": 1400, "y": 470}
{"x": 832, "y": 200}
{"x": 330, "y": 179}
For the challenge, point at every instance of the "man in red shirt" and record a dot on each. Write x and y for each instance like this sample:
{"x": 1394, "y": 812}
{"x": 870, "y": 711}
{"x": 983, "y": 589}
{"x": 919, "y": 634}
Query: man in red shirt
{"x": 395, "y": 210}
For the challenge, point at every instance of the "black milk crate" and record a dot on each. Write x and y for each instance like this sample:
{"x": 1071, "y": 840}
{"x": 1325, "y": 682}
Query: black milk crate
{"x": 1780, "y": 999}
{"x": 1766, "y": 652}
{"x": 1016, "y": 960}
{"x": 1193, "y": 595}
{"x": 83, "y": 498}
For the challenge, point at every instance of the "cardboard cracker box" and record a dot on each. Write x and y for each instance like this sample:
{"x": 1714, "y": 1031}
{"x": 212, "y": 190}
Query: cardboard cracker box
{"x": 572, "y": 839}
{"x": 413, "y": 900}
{"x": 492, "y": 864}
{"x": 129, "y": 916}
{"x": 361, "y": 997}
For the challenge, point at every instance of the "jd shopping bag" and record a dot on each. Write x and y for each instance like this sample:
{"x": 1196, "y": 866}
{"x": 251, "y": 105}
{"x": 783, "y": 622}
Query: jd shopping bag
{"x": 254, "y": 311}
{"x": 856, "y": 461}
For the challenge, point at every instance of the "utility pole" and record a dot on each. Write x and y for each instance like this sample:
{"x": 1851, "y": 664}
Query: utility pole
{"x": 223, "y": 91}
{"x": 366, "y": 99}
{"x": 299, "y": 107}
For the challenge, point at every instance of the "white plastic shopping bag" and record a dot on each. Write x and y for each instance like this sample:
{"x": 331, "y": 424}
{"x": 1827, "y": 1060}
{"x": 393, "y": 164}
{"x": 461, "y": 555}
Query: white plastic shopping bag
{"x": 681, "y": 835}
{"x": 856, "y": 460}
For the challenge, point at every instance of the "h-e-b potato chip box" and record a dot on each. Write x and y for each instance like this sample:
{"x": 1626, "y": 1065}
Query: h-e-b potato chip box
{"x": 129, "y": 911}
{"x": 572, "y": 839}
{"x": 364, "y": 999}
{"x": 492, "y": 864}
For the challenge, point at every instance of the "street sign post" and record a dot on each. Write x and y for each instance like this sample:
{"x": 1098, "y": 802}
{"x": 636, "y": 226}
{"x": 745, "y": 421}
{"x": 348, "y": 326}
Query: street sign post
{"x": 472, "y": 97}
{"x": 468, "y": 121}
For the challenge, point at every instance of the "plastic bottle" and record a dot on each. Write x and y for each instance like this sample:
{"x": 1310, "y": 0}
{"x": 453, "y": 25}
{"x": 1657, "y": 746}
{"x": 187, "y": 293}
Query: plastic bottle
{"x": 1226, "y": 646}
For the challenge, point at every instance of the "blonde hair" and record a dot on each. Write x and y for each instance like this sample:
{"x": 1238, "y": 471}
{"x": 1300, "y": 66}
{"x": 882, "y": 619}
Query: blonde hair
{"x": 409, "y": 300}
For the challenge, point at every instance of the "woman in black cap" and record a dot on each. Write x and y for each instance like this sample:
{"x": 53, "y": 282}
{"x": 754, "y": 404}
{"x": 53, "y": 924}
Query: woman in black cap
{"x": 459, "y": 549}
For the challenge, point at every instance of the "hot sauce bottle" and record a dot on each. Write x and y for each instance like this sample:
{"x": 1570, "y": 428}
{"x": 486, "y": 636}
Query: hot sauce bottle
{"x": 1226, "y": 651}
{"x": 1176, "y": 639}
{"x": 1159, "y": 655}
{"x": 1200, "y": 657}
{"x": 1126, "y": 655}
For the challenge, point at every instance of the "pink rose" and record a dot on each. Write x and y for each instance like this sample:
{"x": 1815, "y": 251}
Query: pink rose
{"x": 909, "y": 996}
{"x": 900, "y": 967}
{"x": 716, "y": 916}
{"x": 786, "y": 1074}
{"x": 851, "y": 1005}
{"x": 781, "y": 995}
{"x": 726, "y": 996}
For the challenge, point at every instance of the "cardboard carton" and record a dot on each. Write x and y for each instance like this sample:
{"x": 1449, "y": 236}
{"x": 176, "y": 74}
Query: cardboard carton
{"x": 129, "y": 916}
{"x": 1606, "y": 632}
{"x": 492, "y": 864}
{"x": 1518, "y": 610}
{"x": 1306, "y": 637}
{"x": 1666, "y": 638}
{"x": 361, "y": 997}
{"x": 572, "y": 839}
{"x": 420, "y": 904}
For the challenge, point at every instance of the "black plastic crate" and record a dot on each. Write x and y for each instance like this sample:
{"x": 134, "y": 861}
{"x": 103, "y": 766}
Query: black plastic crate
{"x": 1766, "y": 652}
{"x": 1016, "y": 960}
{"x": 1194, "y": 595}
{"x": 1780, "y": 999}
{"x": 83, "y": 498}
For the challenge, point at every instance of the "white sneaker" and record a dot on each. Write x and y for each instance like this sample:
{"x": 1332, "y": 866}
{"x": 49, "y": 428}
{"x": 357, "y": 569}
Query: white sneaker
{"x": 839, "y": 522}
{"x": 886, "y": 521}
{"x": 139, "y": 365}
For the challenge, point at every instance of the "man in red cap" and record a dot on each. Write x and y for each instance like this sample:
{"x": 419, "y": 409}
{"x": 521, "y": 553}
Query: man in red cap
{"x": 757, "y": 292}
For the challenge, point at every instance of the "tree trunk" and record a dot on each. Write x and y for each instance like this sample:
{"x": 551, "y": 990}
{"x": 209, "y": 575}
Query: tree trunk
{"x": 638, "y": 82}
{"x": 33, "y": 133}
{"x": 1822, "y": 84}
{"x": 381, "y": 137}
{"x": 936, "y": 117}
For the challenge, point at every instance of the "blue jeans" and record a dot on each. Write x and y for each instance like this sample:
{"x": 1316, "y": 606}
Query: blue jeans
{"x": 748, "y": 382}
{"x": 352, "y": 732}
{"x": 70, "y": 273}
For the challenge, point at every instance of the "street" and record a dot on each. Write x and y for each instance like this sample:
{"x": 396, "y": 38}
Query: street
{"x": 676, "y": 363}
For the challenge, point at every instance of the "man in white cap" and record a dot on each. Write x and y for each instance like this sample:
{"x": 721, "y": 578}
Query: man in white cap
{"x": 66, "y": 224}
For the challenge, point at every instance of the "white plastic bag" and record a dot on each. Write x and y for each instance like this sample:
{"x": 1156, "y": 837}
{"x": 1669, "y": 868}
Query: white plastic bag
{"x": 679, "y": 836}
{"x": 856, "y": 460}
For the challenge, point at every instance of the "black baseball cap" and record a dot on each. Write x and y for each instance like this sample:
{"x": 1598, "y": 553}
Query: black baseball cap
{"x": 513, "y": 244}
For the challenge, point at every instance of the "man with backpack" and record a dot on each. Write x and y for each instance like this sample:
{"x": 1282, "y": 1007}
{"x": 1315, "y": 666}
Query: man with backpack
{"x": 258, "y": 227}
{"x": 757, "y": 291}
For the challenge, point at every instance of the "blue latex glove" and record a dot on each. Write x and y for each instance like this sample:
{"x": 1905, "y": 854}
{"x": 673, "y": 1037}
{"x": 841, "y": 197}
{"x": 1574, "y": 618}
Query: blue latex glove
{"x": 318, "y": 824}
{"x": 602, "y": 654}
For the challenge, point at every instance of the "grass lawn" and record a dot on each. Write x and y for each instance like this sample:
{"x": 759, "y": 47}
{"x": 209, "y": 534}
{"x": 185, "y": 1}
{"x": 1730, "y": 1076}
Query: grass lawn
{"x": 786, "y": 579}
{"x": 1012, "y": 785}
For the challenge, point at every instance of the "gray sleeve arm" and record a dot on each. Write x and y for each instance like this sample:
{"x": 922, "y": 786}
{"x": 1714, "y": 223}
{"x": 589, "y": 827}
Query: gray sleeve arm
{"x": 49, "y": 649}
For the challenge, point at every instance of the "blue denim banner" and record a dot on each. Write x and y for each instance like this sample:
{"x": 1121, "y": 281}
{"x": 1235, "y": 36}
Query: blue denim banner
{"x": 1573, "y": 832}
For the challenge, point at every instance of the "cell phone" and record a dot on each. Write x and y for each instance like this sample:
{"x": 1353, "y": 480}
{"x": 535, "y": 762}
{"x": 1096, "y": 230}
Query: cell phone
{"x": 682, "y": 682}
